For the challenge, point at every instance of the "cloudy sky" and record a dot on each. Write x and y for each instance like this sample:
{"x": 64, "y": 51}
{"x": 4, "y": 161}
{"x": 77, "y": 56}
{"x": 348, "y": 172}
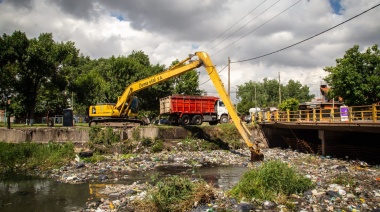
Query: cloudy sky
{"x": 172, "y": 29}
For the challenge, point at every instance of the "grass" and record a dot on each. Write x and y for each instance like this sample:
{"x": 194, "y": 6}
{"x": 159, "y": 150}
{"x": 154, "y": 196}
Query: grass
{"x": 269, "y": 181}
{"x": 175, "y": 193}
{"x": 28, "y": 156}
{"x": 95, "y": 158}
{"x": 343, "y": 179}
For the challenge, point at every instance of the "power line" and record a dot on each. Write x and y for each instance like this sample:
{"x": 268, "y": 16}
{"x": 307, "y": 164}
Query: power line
{"x": 240, "y": 61}
{"x": 218, "y": 73}
{"x": 233, "y": 24}
{"x": 244, "y": 25}
{"x": 258, "y": 26}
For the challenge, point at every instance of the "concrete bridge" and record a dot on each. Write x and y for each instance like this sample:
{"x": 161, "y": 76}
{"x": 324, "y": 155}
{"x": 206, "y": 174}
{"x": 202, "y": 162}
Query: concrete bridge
{"x": 353, "y": 133}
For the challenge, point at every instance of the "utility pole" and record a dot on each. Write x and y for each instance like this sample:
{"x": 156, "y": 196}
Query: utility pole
{"x": 279, "y": 88}
{"x": 229, "y": 94}
{"x": 229, "y": 63}
{"x": 255, "y": 97}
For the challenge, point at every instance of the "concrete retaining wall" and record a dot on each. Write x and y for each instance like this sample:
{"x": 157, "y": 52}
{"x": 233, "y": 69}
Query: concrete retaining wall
{"x": 81, "y": 135}
{"x": 44, "y": 135}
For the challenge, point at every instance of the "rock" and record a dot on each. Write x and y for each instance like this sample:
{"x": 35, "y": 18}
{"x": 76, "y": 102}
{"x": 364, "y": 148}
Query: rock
{"x": 342, "y": 192}
{"x": 268, "y": 204}
{"x": 85, "y": 154}
{"x": 332, "y": 193}
{"x": 102, "y": 177}
{"x": 245, "y": 207}
{"x": 80, "y": 165}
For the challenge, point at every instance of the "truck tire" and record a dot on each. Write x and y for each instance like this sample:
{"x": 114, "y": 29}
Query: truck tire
{"x": 185, "y": 120}
{"x": 224, "y": 119}
{"x": 197, "y": 120}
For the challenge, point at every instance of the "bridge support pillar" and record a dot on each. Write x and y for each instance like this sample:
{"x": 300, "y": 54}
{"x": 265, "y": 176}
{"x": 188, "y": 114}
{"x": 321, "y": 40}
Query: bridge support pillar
{"x": 321, "y": 135}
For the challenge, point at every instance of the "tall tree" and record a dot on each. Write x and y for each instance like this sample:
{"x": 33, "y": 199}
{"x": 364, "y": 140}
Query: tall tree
{"x": 266, "y": 93}
{"x": 37, "y": 62}
{"x": 294, "y": 89}
{"x": 356, "y": 76}
{"x": 12, "y": 51}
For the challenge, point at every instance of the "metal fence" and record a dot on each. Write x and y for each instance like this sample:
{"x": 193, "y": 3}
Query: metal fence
{"x": 367, "y": 113}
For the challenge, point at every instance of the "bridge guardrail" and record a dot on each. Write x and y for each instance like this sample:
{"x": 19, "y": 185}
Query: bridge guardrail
{"x": 366, "y": 113}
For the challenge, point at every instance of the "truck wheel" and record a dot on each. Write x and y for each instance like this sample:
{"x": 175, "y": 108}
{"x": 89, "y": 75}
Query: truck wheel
{"x": 185, "y": 120}
{"x": 224, "y": 119}
{"x": 197, "y": 119}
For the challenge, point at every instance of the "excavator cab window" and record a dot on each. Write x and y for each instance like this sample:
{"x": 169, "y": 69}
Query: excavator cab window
{"x": 135, "y": 105}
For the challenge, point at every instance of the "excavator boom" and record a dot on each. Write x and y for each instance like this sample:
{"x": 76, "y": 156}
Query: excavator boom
{"x": 124, "y": 106}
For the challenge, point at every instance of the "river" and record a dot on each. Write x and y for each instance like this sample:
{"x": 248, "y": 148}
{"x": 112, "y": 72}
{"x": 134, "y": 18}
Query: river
{"x": 49, "y": 195}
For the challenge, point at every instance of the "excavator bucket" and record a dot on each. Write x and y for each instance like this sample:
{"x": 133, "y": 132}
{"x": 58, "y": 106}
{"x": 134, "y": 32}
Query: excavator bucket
{"x": 256, "y": 155}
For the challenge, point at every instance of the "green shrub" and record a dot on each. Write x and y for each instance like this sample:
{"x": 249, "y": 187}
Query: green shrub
{"x": 94, "y": 159}
{"x": 101, "y": 140}
{"x": 271, "y": 179}
{"x": 175, "y": 193}
{"x": 158, "y": 146}
{"x": 34, "y": 155}
{"x": 146, "y": 142}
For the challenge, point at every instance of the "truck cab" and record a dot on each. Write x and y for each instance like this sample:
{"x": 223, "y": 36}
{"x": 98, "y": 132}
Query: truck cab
{"x": 222, "y": 112}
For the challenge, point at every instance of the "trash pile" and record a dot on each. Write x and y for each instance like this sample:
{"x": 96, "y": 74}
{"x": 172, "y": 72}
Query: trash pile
{"x": 340, "y": 185}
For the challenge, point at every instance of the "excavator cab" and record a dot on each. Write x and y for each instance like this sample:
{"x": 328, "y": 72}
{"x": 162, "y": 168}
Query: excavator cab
{"x": 135, "y": 105}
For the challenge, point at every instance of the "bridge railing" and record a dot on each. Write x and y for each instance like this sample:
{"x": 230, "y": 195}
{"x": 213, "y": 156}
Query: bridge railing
{"x": 367, "y": 113}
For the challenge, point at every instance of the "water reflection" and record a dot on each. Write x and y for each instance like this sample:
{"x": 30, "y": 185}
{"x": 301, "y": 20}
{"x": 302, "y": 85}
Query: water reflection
{"x": 42, "y": 195}
{"x": 48, "y": 195}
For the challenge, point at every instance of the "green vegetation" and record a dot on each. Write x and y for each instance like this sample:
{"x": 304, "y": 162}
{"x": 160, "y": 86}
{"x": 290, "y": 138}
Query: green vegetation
{"x": 27, "y": 156}
{"x": 343, "y": 179}
{"x": 356, "y": 76}
{"x": 289, "y": 104}
{"x": 158, "y": 146}
{"x": 40, "y": 75}
{"x": 175, "y": 193}
{"x": 102, "y": 139}
{"x": 94, "y": 159}
{"x": 267, "y": 94}
{"x": 271, "y": 180}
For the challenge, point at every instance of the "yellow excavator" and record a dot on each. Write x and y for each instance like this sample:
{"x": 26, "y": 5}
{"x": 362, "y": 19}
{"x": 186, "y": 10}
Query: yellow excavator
{"x": 126, "y": 107}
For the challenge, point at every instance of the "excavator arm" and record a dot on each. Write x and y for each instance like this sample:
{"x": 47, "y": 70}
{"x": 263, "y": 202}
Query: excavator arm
{"x": 244, "y": 132}
{"x": 123, "y": 107}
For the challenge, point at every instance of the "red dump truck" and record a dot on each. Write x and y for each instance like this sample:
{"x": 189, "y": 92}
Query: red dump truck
{"x": 188, "y": 109}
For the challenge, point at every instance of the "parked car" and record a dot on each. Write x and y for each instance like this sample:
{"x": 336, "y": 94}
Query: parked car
{"x": 161, "y": 122}
{"x": 248, "y": 119}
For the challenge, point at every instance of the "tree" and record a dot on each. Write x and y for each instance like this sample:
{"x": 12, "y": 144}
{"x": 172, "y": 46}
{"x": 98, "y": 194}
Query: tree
{"x": 35, "y": 64}
{"x": 12, "y": 50}
{"x": 289, "y": 104}
{"x": 266, "y": 93}
{"x": 187, "y": 83}
{"x": 356, "y": 76}
{"x": 294, "y": 89}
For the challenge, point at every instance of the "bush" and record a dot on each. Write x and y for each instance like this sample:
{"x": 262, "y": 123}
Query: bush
{"x": 34, "y": 155}
{"x": 158, "y": 146}
{"x": 101, "y": 140}
{"x": 270, "y": 180}
{"x": 175, "y": 194}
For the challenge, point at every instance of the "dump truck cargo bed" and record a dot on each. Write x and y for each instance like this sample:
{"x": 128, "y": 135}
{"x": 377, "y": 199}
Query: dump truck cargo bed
{"x": 187, "y": 104}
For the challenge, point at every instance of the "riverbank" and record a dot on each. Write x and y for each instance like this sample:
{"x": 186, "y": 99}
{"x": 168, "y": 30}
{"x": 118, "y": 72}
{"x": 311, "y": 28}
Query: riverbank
{"x": 340, "y": 185}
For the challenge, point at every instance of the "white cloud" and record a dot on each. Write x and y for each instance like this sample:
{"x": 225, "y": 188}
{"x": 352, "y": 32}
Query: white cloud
{"x": 168, "y": 30}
